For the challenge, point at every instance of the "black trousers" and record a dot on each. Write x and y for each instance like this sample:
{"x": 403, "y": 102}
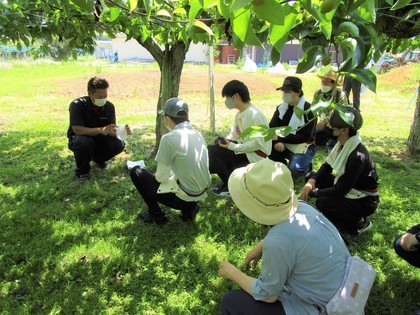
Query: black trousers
{"x": 239, "y": 302}
{"x": 224, "y": 161}
{"x": 147, "y": 186}
{"x": 98, "y": 148}
{"x": 413, "y": 258}
{"x": 343, "y": 212}
{"x": 351, "y": 84}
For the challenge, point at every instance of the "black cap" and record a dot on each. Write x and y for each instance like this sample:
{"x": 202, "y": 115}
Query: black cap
{"x": 291, "y": 83}
{"x": 175, "y": 107}
{"x": 353, "y": 120}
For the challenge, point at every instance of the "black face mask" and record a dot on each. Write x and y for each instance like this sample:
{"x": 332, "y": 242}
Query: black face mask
{"x": 329, "y": 132}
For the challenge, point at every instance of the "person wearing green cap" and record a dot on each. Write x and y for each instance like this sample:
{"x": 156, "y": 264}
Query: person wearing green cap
{"x": 182, "y": 174}
{"x": 349, "y": 197}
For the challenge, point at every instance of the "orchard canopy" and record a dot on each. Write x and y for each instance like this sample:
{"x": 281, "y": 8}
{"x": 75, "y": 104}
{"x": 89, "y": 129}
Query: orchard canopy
{"x": 360, "y": 30}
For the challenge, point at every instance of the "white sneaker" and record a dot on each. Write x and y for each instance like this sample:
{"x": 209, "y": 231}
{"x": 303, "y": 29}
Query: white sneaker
{"x": 131, "y": 164}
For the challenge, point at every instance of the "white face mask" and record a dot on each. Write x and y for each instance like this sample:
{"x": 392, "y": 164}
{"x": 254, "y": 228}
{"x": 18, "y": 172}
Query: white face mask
{"x": 99, "y": 102}
{"x": 230, "y": 102}
{"x": 325, "y": 88}
{"x": 287, "y": 98}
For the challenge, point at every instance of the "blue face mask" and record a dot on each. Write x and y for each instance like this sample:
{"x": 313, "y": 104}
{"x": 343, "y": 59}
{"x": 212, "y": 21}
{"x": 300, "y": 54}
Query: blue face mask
{"x": 230, "y": 102}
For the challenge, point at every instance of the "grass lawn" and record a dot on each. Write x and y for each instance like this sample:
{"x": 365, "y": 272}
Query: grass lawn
{"x": 70, "y": 247}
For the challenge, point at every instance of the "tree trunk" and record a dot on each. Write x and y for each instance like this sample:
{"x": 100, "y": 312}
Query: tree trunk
{"x": 171, "y": 61}
{"x": 413, "y": 143}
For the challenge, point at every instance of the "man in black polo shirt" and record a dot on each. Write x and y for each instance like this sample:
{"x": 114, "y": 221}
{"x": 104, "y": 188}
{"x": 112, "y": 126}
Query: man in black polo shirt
{"x": 92, "y": 131}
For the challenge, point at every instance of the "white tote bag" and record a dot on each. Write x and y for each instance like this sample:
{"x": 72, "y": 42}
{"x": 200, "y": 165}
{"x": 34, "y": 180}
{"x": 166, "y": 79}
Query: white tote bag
{"x": 352, "y": 296}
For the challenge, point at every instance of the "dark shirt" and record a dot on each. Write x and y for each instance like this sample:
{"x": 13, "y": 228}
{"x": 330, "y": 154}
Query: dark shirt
{"x": 360, "y": 174}
{"x": 84, "y": 113}
{"x": 304, "y": 135}
{"x": 414, "y": 229}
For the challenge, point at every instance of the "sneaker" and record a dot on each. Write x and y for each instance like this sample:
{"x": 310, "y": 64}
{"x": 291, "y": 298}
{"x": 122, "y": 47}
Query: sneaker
{"x": 146, "y": 217}
{"x": 363, "y": 227}
{"x": 221, "y": 192}
{"x": 191, "y": 216}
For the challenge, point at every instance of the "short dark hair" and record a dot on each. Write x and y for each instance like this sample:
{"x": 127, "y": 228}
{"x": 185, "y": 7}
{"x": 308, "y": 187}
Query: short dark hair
{"x": 96, "y": 83}
{"x": 178, "y": 120}
{"x": 236, "y": 86}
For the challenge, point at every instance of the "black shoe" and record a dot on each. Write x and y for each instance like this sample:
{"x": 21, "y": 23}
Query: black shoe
{"x": 363, "y": 227}
{"x": 221, "y": 191}
{"x": 82, "y": 177}
{"x": 190, "y": 217}
{"x": 146, "y": 217}
{"x": 102, "y": 165}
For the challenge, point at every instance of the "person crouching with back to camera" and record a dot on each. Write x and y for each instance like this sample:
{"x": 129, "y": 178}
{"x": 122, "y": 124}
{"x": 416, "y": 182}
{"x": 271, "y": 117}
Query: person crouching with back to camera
{"x": 303, "y": 257}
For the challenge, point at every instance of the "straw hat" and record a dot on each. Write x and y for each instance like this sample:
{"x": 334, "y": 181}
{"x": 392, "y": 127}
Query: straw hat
{"x": 263, "y": 191}
{"x": 332, "y": 75}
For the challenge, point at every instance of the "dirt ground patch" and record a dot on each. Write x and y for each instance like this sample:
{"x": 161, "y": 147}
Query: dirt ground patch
{"x": 146, "y": 82}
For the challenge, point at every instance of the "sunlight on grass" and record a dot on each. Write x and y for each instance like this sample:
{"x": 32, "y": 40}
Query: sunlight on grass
{"x": 76, "y": 247}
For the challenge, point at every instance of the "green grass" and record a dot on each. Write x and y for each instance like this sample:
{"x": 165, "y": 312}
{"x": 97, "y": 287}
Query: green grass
{"x": 68, "y": 247}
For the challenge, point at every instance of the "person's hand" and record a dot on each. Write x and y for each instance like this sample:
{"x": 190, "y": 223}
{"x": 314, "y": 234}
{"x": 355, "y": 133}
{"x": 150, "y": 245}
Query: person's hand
{"x": 279, "y": 146}
{"x": 226, "y": 269}
{"x": 127, "y": 129}
{"x": 304, "y": 194}
{"x": 253, "y": 257}
{"x": 409, "y": 242}
{"x": 320, "y": 125}
{"x": 225, "y": 144}
{"x": 111, "y": 130}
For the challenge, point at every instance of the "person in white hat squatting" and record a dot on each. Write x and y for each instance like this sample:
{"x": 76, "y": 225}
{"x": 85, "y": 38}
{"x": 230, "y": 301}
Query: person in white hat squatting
{"x": 329, "y": 86}
{"x": 297, "y": 149}
{"x": 351, "y": 195}
{"x": 303, "y": 257}
{"x": 182, "y": 173}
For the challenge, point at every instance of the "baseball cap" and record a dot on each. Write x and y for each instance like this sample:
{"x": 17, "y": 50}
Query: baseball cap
{"x": 175, "y": 107}
{"x": 291, "y": 83}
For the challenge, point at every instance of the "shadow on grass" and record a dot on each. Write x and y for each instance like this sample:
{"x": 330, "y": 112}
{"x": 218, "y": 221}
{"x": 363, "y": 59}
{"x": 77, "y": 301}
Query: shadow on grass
{"x": 75, "y": 247}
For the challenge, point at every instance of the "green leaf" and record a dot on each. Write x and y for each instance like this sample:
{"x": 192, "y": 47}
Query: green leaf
{"x": 279, "y": 34}
{"x": 180, "y": 11}
{"x": 133, "y": 5}
{"x": 275, "y": 56}
{"x": 411, "y": 13}
{"x": 298, "y": 112}
{"x": 223, "y": 9}
{"x": 348, "y": 48}
{"x": 204, "y": 27}
{"x": 310, "y": 58}
{"x": 194, "y": 9}
{"x": 114, "y": 13}
{"x": 240, "y": 23}
{"x": 365, "y": 76}
{"x": 163, "y": 12}
{"x": 269, "y": 10}
{"x": 367, "y": 11}
{"x": 254, "y": 131}
{"x": 400, "y": 4}
{"x": 148, "y": 5}
{"x": 85, "y": 5}
{"x": 239, "y": 4}
{"x": 283, "y": 132}
{"x": 349, "y": 28}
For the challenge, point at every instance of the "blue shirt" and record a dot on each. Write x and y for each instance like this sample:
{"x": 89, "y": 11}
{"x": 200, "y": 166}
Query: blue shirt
{"x": 303, "y": 262}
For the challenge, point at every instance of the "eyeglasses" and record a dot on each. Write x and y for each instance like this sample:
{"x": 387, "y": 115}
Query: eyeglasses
{"x": 262, "y": 202}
